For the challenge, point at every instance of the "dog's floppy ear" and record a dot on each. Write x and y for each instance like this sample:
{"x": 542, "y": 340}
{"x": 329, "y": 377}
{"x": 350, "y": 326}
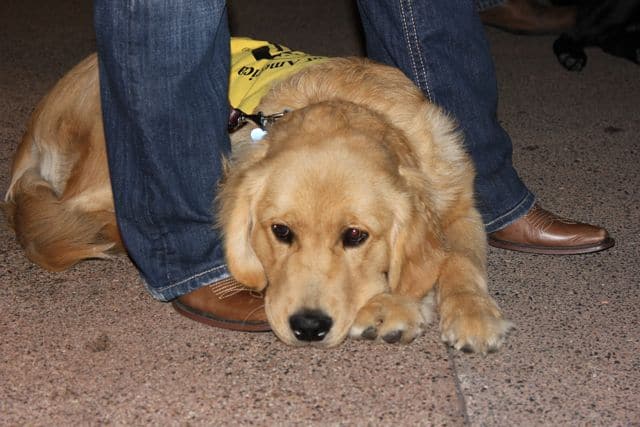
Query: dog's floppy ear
{"x": 416, "y": 240}
{"x": 237, "y": 198}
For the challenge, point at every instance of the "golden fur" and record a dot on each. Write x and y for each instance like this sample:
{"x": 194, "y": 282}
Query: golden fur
{"x": 362, "y": 152}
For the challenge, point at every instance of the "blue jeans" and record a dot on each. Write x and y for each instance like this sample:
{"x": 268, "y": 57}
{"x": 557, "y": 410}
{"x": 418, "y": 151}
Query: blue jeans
{"x": 164, "y": 80}
{"x": 441, "y": 46}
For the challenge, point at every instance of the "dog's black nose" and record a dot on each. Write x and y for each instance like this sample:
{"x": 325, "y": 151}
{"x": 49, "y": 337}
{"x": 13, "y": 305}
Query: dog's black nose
{"x": 310, "y": 325}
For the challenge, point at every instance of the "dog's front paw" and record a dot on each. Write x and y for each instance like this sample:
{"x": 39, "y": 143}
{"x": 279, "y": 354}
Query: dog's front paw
{"x": 389, "y": 318}
{"x": 570, "y": 53}
{"x": 472, "y": 323}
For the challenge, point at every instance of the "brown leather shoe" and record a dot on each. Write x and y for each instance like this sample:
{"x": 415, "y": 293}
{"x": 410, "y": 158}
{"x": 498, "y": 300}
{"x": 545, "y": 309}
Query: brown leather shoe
{"x": 541, "y": 232}
{"x": 529, "y": 17}
{"x": 225, "y": 304}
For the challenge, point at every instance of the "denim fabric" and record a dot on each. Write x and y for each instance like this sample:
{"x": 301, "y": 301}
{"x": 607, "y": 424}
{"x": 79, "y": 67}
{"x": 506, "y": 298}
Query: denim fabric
{"x": 441, "y": 46}
{"x": 164, "y": 78}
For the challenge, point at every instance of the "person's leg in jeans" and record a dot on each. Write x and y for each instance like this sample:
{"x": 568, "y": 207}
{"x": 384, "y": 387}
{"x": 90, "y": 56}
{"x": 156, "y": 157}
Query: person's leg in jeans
{"x": 164, "y": 80}
{"x": 441, "y": 46}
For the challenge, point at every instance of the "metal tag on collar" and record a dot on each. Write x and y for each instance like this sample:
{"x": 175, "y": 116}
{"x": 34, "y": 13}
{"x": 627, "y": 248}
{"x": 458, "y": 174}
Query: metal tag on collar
{"x": 268, "y": 120}
{"x": 239, "y": 118}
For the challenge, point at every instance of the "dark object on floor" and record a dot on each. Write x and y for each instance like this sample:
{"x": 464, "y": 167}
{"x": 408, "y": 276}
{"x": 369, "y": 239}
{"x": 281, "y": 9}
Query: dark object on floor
{"x": 612, "y": 25}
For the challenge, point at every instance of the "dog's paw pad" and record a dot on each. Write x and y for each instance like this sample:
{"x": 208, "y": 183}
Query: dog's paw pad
{"x": 473, "y": 323}
{"x": 485, "y": 336}
{"x": 467, "y": 349}
{"x": 390, "y": 319}
{"x": 371, "y": 333}
{"x": 392, "y": 337}
{"x": 573, "y": 63}
{"x": 570, "y": 53}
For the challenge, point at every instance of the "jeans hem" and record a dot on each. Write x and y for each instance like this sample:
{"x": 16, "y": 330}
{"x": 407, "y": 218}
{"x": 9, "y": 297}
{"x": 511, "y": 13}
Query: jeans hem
{"x": 189, "y": 284}
{"x": 519, "y": 210}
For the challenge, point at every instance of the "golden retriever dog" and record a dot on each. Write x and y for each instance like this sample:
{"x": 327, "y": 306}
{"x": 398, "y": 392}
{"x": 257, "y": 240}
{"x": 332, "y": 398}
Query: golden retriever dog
{"x": 355, "y": 213}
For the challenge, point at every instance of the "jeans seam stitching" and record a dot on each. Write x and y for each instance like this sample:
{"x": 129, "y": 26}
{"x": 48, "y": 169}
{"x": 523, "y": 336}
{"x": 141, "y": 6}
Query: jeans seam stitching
{"x": 421, "y": 72}
{"x": 195, "y": 276}
{"x": 405, "y": 30}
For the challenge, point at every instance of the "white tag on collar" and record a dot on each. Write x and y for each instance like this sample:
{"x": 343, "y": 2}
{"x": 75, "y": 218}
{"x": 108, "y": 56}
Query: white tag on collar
{"x": 257, "y": 134}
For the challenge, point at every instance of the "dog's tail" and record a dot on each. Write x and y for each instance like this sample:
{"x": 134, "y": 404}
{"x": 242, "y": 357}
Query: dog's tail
{"x": 54, "y": 234}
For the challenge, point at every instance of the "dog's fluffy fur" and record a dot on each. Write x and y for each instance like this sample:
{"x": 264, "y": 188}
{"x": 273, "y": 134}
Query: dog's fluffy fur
{"x": 361, "y": 155}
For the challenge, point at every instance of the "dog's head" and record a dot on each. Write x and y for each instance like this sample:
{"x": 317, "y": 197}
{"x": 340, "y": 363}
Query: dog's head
{"x": 325, "y": 214}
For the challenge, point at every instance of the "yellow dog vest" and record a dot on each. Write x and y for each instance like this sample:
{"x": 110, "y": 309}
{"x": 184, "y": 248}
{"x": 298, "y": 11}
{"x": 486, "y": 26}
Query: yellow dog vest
{"x": 256, "y": 65}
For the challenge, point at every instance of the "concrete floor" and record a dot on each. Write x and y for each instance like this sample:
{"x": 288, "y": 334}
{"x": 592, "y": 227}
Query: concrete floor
{"x": 89, "y": 346}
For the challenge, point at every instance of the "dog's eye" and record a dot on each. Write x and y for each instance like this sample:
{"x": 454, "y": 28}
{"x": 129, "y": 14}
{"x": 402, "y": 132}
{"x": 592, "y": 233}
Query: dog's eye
{"x": 282, "y": 233}
{"x": 354, "y": 237}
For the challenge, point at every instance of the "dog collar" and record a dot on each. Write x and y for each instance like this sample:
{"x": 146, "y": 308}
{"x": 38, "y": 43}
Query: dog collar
{"x": 238, "y": 118}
